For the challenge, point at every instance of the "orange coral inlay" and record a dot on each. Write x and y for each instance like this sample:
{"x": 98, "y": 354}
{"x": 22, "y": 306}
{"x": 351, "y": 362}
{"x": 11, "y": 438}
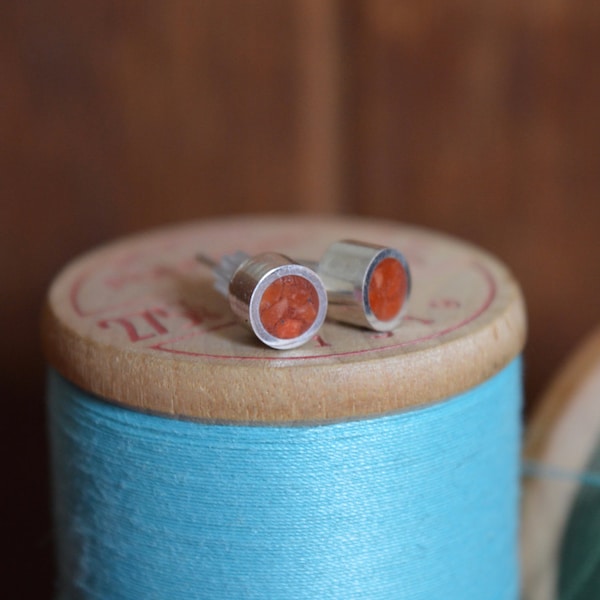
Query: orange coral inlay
{"x": 289, "y": 306}
{"x": 387, "y": 289}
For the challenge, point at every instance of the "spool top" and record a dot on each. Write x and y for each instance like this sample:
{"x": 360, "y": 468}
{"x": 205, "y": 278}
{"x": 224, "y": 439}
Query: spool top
{"x": 139, "y": 323}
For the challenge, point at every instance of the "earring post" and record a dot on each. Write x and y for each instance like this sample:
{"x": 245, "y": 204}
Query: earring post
{"x": 207, "y": 260}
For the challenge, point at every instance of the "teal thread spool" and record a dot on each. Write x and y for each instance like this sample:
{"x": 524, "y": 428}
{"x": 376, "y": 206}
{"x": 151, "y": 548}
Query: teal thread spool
{"x": 561, "y": 503}
{"x": 360, "y": 465}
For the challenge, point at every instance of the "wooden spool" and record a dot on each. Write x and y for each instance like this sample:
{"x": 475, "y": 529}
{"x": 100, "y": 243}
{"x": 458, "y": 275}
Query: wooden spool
{"x": 561, "y": 440}
{"x": 138, "y": 322}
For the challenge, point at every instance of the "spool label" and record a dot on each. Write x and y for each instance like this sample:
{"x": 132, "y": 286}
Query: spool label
{"x": 157, "y": 297}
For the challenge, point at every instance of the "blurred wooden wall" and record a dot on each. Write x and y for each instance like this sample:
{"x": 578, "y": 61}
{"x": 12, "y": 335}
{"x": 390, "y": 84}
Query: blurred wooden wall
{"x": 481, "y": 119}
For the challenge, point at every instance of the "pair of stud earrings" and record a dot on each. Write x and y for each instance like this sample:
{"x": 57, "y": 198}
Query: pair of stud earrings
{"x": 285, "y": 302}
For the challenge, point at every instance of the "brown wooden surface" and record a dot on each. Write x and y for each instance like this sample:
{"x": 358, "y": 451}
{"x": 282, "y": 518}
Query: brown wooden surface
{"x": 479, "y": 119}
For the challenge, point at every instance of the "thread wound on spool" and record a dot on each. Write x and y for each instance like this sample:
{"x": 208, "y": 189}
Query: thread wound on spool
{"x": 579, "y": 574}
{"x": 417, "y": 505}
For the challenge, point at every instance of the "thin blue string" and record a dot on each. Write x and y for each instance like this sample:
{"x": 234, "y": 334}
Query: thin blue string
{"x": 420, "y": 505}
{"x": 534, "y": 469}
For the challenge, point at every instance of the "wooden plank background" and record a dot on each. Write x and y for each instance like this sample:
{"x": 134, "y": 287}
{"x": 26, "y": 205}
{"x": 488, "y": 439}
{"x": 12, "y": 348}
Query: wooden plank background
{"x": 477, "y": 118}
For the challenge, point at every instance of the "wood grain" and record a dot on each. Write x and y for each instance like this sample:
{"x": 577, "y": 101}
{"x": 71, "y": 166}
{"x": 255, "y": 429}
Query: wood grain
{"x": 138, "y": 322}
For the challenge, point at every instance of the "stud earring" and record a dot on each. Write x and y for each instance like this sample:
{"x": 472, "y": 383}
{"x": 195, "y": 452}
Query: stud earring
{"x": 284, "y": 303}
{"x": 367, "y": 285}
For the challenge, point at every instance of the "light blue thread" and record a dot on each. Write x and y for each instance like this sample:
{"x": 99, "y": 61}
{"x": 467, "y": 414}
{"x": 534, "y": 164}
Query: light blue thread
{"x": 420, "y": 505}
{"x": 536, "y": 470}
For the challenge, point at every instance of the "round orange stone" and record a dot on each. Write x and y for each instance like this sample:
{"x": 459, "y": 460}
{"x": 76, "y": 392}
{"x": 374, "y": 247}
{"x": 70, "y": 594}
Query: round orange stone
{"x": 387, "y": 289}
{"x": 289, "y": 306}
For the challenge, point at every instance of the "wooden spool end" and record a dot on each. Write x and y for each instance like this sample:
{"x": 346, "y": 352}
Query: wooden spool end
{"x": 561, "y": 441}
{"x": 139, "y": 323}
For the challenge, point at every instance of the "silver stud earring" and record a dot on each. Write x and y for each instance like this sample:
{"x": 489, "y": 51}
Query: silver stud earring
{"x": 284, "y": 302}
{"x": 367, "y": 285}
